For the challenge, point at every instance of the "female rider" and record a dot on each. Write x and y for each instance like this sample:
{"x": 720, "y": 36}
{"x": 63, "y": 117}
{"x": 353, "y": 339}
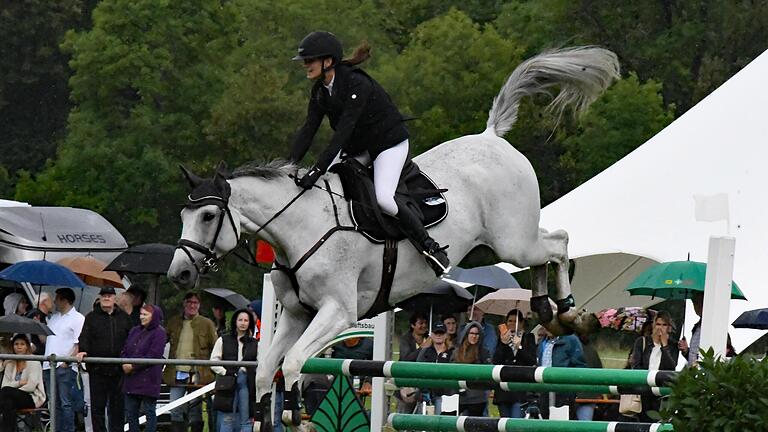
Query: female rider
{"x": 367, "y": 126}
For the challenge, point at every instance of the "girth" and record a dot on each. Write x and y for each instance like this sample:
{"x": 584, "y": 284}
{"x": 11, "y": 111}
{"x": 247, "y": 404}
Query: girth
{"x": 388, "y": 270}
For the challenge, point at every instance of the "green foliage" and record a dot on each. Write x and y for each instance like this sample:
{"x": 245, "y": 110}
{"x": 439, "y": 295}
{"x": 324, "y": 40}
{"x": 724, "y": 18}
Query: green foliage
{"x": 5, "y": 183}
{"x": 691, "y": 47}
{"x": 447, "y": 77}
{"x": 33, "y": 78}
{"x": 625, "y": 117}
{"x": 720, "y": 396}
{"x": 144, "y": 79}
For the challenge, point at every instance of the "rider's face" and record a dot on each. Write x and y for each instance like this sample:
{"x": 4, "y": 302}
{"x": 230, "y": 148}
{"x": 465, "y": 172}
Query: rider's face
{"x": 314, "y": 69}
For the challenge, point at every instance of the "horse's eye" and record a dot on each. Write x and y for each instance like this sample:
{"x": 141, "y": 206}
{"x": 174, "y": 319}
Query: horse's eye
{"x": 207, "y": 217}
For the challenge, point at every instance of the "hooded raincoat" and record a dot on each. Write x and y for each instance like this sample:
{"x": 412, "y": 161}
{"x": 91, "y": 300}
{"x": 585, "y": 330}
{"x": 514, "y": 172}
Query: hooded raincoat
{"x": 145, "y": 342}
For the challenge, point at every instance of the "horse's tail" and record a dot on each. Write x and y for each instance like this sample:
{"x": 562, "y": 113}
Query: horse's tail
{"x": 581, "y": 73}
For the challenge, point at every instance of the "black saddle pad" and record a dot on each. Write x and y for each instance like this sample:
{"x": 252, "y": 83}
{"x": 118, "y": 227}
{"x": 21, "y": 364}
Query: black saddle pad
{"x": 416, "y": 189}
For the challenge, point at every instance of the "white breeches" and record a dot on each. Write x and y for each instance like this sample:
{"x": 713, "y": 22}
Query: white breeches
{"x": 386, "y": 174}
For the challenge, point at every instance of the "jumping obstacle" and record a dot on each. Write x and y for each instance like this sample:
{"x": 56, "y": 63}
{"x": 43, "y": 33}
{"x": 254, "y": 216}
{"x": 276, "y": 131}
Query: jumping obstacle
{"x": 533, "y": 387}
{"x": 484, "y": 424}
{"x": 490, "y": 373}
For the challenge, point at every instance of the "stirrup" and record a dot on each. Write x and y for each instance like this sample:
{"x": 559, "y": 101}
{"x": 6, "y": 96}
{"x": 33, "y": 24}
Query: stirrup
{"x": 441, "y": 267}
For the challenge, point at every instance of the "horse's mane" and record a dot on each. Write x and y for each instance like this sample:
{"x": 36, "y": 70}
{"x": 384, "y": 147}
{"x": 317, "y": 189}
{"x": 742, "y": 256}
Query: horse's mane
{"x": 270, "y": 170}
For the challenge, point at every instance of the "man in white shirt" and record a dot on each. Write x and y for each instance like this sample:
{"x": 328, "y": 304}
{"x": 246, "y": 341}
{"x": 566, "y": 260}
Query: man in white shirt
{"x": 66, "y": 324}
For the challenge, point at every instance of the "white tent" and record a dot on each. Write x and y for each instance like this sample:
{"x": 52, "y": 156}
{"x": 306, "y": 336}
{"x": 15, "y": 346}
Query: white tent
{"x": 642, "y": 208}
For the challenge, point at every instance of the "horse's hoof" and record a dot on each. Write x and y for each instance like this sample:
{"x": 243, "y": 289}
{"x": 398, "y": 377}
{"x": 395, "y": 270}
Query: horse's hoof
{"x": 541, "y": 307}
{"x": 586, "y": 323}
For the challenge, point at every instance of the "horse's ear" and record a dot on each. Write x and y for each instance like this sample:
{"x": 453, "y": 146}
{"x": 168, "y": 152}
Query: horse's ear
{"x": 220, "y": 178}
{"x": 222, "y": 169}
{"x": 192, "y": 178}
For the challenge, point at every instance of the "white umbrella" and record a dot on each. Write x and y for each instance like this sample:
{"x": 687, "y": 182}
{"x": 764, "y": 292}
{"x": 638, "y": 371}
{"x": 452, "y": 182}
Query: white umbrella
{"x": 502, "y": 301}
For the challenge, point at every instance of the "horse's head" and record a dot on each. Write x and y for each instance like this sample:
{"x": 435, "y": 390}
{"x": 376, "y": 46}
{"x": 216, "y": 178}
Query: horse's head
{"x": 210, "y": 228}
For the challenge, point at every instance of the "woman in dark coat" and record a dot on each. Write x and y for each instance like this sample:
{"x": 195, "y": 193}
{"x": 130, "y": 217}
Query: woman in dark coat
{"x": 367, "y": 127}
{"x": 470, "y": 350}
{"x": 141, "y": 383}
{"x": 517, "y": 348}
{"x": 655, "y": 352}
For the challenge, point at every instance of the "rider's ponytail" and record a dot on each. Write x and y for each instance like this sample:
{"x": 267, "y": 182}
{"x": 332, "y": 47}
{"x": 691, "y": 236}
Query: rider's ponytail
{"x": 361, "y": 54}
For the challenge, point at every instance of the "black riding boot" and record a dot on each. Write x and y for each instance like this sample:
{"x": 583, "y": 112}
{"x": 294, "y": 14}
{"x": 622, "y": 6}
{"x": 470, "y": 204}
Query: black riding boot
{"x": 414, "y": 229}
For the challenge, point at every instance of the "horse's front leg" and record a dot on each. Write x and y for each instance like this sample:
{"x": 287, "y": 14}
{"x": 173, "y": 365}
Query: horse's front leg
{"x": 569, "y": 316}
{"x": 290, "y": 325}
{"x": 578, "y": 319}
{"x": 332, "y": 318}
{"x": 540, "y": 303}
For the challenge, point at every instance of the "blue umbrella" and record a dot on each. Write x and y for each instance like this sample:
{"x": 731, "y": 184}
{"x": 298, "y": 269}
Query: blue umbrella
{"x": 42, "y": 273}
{"x": 754, "y": 319}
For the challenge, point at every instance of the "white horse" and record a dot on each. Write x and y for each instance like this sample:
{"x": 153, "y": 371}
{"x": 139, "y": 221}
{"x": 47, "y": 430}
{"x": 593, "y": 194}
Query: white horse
{"x": 493, "y": 196}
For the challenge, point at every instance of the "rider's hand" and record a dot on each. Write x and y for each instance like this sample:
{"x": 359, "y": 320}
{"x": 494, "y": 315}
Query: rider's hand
{"x": 309, "y": 179}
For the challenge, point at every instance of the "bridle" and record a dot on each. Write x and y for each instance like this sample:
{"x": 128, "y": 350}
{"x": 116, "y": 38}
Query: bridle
{"x": 209, "y": 259}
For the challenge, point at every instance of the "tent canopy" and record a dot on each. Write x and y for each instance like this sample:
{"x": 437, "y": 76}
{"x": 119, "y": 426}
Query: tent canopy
{"x": 641, "y": 209}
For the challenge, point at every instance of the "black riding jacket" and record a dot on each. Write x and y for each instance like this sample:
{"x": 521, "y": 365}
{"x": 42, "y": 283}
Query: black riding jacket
{"x": 360, "y": 112}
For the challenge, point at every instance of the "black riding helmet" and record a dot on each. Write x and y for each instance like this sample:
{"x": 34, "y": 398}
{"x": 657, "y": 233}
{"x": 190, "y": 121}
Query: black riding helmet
{"x": 320, "y": 44}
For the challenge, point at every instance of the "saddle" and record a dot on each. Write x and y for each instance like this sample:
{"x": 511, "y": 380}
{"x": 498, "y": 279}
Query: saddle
{"x": 415, "y": 190}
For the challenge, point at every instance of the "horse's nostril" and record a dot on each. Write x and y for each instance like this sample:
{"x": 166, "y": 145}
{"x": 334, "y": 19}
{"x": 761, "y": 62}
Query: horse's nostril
{"x": 184, "y": 276}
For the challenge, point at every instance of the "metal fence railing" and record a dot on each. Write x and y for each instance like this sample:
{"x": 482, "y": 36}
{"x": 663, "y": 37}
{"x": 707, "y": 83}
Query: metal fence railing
{"x": 54, "y": 359}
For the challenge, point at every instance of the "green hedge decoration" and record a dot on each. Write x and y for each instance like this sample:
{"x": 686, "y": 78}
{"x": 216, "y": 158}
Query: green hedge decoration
{"x": 723, "y": 396}
{"x": 341, "y": 410}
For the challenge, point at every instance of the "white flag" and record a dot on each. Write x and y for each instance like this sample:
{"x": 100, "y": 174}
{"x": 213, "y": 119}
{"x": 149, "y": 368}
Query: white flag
{"x": 711, "y": 208}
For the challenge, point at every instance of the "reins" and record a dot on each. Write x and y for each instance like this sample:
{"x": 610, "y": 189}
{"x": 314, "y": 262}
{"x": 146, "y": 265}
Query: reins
{"x": 291, "y": 271}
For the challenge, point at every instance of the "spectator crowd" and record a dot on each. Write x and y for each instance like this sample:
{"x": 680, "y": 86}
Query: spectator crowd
{"x": 513, "y": 343}
{"x": 124, "y": 325}
{"x": 105, "y": 396}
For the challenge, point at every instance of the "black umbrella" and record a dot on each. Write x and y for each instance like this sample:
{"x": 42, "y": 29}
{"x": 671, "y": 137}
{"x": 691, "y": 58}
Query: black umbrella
{"x": 235, "y": 299}
{"x": 19, "y": 324}
{"x": 150, "y": 258}
{"x": 440, "y": 298}
{"x": 754, "y": 319}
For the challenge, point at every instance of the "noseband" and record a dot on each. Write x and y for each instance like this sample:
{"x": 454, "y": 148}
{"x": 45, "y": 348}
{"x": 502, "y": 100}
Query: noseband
{"x": 208, "y": 262}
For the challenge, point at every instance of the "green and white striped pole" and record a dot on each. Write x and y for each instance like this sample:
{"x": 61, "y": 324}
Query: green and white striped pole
{"x": 532, "y": 387}
{"x": 496, "y": 373}
{"x": 484, "y": 424}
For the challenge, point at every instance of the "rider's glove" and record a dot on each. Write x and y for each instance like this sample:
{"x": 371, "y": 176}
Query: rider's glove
{"x": 309, "y": 179}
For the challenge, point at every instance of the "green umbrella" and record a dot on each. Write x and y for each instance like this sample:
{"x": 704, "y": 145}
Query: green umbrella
{"x": 675, "y": 280}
